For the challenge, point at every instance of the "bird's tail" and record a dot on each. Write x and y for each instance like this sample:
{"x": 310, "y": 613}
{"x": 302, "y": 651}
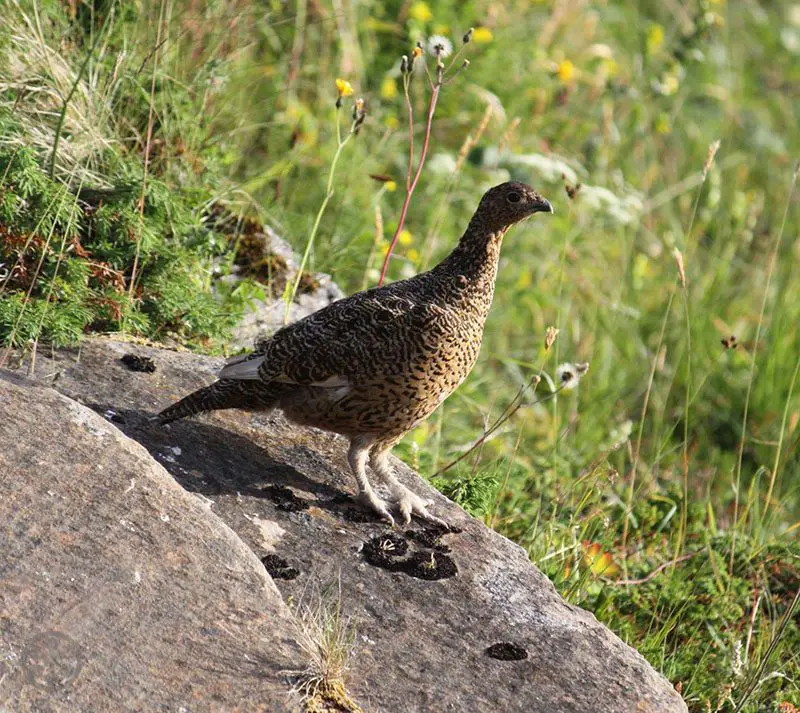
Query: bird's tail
{"x": 222, "y": 394}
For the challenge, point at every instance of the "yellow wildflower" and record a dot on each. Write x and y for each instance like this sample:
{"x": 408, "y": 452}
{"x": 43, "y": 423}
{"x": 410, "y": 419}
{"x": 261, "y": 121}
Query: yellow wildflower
{"x": 388, "y": 88}
{"x": 412, "y": 255}
{"x": 662, "y": 124}
{"x": 416, "y": 52}
{"x": 405, "y": 237}
{"x": 390, "y": 186}
{"x": 441, "y": 30}
{"x": 482, "y": 35}
{"x": 565, "y": 71}
{"x": 391, "y": 121}
{"x": 655, "y": 38}
{"x": 344, "y": 88}
{"x": 420, "y": 12}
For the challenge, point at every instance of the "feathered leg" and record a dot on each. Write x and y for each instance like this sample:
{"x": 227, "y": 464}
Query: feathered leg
{"x": 357, "y": 457}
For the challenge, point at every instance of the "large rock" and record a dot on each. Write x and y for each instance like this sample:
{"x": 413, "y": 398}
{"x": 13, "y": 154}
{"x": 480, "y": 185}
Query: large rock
{"x": 120, "y": 591}
{"x": 464, "y": 622}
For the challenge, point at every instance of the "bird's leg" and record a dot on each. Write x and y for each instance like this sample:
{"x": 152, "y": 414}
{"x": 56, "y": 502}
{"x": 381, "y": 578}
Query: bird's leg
{"x": 407, "y": 501}
{"x": 357, "y": 457}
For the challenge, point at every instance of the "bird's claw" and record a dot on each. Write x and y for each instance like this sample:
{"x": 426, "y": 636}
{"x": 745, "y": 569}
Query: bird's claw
{"x": 409, "y": 503}
{"x": 373, "y": 502}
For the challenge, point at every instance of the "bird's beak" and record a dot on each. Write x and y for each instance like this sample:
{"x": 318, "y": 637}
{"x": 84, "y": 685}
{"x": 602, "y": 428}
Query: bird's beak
{"x": 542, "y": 206}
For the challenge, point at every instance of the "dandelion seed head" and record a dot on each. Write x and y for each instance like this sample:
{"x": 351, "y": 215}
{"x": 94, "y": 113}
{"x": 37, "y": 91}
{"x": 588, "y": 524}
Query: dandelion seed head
{"x": 440, "y": 46}
{"x": 568, "y": 375}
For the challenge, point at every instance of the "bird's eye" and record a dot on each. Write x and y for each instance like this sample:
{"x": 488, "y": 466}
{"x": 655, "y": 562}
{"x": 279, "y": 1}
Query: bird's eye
{"x": 513, "y": 197}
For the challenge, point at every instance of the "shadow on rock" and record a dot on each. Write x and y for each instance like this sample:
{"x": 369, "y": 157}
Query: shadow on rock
{"x": 211, "y": 460}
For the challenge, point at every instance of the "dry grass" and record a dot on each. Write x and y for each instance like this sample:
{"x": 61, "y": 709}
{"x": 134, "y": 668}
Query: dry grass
{"x": 327, "y": 639}
{"x": 37, "y": 79}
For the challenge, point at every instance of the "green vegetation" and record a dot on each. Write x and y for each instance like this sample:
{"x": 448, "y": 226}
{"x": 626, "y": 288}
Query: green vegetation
{"x": 662, "y": 492}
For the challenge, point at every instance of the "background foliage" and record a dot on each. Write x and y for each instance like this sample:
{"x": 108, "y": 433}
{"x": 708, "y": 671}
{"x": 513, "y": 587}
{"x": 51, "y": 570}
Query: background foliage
{"x": 662, "y": 493}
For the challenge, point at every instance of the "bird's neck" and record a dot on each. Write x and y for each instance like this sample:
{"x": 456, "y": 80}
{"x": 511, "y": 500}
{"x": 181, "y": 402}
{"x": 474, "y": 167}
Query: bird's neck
{"x": 476, "y": 255}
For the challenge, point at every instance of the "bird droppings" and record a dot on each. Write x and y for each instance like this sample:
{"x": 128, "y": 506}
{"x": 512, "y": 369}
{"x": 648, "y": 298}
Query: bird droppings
{"x": 278, "y": 568}
{"x": 506, "y": 651}
{"x": 383, "y": 550}
{"x": 285, "y": 499}
{"x": 139, "y": 363}
{"x": 431, "y": 537}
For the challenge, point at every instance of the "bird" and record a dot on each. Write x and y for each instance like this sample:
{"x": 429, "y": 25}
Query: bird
{"x": 374, "y": 365}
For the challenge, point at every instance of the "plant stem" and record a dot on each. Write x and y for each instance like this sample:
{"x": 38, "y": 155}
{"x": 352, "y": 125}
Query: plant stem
{"x": 409, "y": 106}
{"x": 779, "y": 448}
{"x": 508, "y": 412}
{"x": 290, "y": 295}
{"x": 642, "y": 418}
{"x": 147, "y": 147}
{"x": 770, "y": 269}
{"x": 755, "y": 677}
{"x": 410, "y": 187}
{"x": 685, "y": 451}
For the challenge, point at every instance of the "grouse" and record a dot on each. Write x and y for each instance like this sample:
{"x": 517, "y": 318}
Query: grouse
{"x": 374, "y": 365}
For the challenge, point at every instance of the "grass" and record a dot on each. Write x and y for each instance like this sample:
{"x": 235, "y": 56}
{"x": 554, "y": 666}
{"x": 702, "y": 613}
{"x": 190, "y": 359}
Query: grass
{"x": 662, "y": 493}
{"x": 327, "y": 639}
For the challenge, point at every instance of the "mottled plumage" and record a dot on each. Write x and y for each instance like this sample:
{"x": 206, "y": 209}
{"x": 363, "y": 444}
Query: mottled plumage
{"x": 374, "y": 365}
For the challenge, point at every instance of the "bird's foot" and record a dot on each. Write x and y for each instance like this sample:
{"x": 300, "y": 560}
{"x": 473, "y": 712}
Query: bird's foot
{"x": 409, "y": 503}
{"x": 372, "y": 501}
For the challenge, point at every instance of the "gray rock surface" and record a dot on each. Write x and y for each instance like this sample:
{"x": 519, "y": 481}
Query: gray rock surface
{"x": 120, "y": 591}
{"x": 421, "y": 644}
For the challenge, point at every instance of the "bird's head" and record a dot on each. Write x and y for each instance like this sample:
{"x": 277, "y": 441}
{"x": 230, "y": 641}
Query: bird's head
{"x": 507, "y": 204}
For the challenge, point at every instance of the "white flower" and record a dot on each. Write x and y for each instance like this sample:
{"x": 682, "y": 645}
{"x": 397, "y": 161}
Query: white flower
{"x": 568, "y": 375}
{"x": 439, "y": 45}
